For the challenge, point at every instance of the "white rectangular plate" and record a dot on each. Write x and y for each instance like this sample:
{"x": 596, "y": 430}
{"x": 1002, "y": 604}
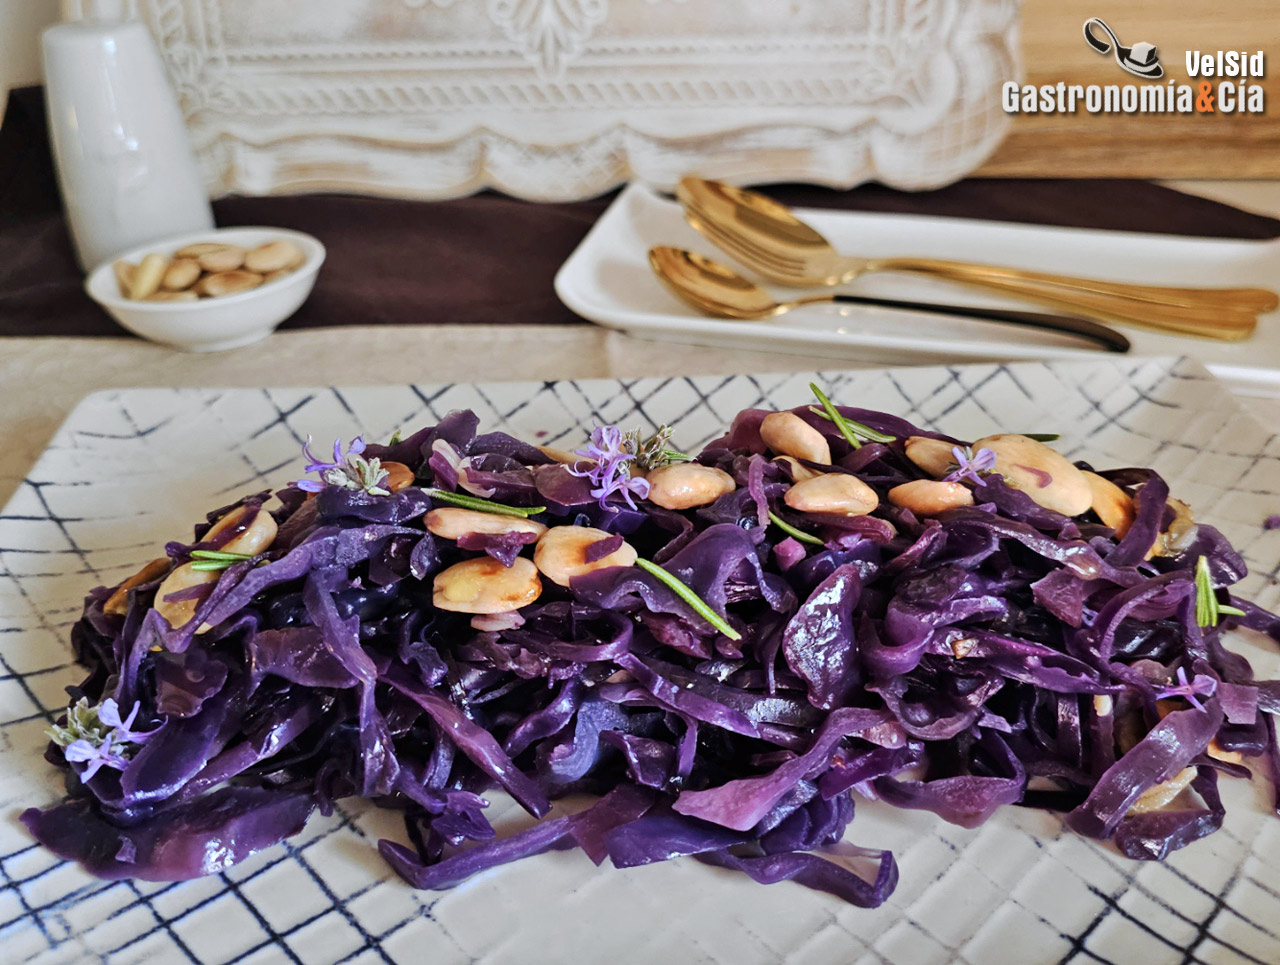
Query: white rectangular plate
{"x": 608, "y": 280}
{"x": 133, "y": 468}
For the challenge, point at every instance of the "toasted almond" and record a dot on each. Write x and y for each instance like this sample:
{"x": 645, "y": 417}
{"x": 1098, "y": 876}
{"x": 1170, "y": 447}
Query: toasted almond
{"x": 252, "y": 539}
{"x": 1158, "y": 795}
{"x": 788, "y": 435}
{"x": 146, "y": 280}
{"x": 273, "y": 256}
{"x": 118, "y": 602}
{"x": 1044, "y": 474}
{"x": 399, "y": 476}
{"x": 225, "y": 258}
{"x": 688, "y": 484}
{"x": 561, "y": 553}
{"x": 928, "y": 497}
{"x": 484, "y": 585}
{"x": 164, "y": 296}
{"x": 125, "y": 271}
{"x": 228, "y": 283}
{"x": 834, "y": 492}
{"x": 1112, "y": 504}
{"x": 181, "y": 274}
{"x": 201, "y": 248}
{"x": 454, "y": 522}
{"x": 934, "y": 456}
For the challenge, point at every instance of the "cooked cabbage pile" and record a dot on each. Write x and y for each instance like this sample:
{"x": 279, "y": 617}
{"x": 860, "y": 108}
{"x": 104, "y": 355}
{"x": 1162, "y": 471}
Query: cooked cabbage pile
{"x": 715, "y": 650}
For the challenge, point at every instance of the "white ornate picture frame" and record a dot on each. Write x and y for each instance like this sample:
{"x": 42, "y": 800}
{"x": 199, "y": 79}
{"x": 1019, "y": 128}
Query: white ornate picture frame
{"x": 563, "y": 99}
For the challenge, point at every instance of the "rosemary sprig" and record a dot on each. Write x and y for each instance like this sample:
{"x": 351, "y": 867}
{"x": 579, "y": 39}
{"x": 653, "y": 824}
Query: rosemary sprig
{"x": 395, "y": 437}
{"x": 1208, "y": 610}
{"x": 848, "y": 428}
{"x": 483, "y": 505}
{"x": 698, "y": 604}
{"x": 1043, "y": 436}
{"x": 790, "y": 530}
{"x": 653, "y": 452}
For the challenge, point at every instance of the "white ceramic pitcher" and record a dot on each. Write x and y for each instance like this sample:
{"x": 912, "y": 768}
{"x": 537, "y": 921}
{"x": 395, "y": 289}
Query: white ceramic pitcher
{"x": 124, "y": 160}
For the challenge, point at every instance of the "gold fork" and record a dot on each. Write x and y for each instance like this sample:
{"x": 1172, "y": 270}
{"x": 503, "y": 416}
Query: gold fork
{"x": 768, "y": 238}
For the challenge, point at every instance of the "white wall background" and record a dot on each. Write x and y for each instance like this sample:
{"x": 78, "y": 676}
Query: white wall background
{"x": 20, "y": 24}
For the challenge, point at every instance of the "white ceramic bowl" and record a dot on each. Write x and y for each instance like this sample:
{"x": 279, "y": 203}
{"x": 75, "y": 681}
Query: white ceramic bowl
{"x": 211, "y": 324}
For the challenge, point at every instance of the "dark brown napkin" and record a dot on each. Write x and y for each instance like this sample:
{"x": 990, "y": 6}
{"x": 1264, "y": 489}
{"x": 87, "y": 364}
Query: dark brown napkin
{"x": 490, "y": 258}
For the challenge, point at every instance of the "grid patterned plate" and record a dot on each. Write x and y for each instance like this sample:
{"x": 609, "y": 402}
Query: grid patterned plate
{"x": 133, "y": 468}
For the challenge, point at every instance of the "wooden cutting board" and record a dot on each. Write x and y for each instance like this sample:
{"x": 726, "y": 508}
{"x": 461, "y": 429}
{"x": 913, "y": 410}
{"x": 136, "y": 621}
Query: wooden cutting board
{"x": 1133, "y": 145}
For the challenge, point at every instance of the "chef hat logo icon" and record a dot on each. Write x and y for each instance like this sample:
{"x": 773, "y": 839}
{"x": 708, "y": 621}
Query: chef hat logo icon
{"x": 1141, "y": 60}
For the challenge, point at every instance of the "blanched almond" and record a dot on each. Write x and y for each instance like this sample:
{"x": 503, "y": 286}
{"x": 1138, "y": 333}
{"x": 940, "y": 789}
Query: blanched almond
{"x": 252, "y": 539}
{"x": 118, "y": 602}
{"x": 273, "y": 256}
{"x": 399, "y": 476}
{"x": 125, "y": 271}
{"x": 561, "y": 553}
{"x": 799, "y": 472}
{"x": 146, "y": 280}
{"x": 928, "y": 497}
{"x": 201, "y": 248}
{"x": 228, "y": 283}
{"x": 484, "y": 585}
{"x": 1111, "y": 503}
{"x": 788, "y": 435}
{"x": 688, "y": 484}
{"x": 832, "y": 492}
{"x": 934, "y": 456}
{"x": 1044, "y": 474}
{"x": 1158, "y": 795}
{"x": 453, "y": 522}
{"x": 224, "y": 258}
{"x": 181, "y": 274}
{"x": 178, "y": 613}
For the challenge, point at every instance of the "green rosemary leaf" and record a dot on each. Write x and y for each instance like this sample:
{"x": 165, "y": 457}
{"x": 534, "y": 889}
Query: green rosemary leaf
{"x": 848, "y": 428}
{"x": 696, "y": 602}
{"x": 483, "y": 505}
{"x": 1043, "y": 436}
{"x": 790, "y": 530}
{"x": 220, "y": 555}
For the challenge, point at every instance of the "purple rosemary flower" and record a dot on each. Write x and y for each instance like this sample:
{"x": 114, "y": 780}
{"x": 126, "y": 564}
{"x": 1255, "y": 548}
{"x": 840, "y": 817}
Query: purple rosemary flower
{"x": 1272, "y": 521}
{"x": 971, "y": 466}
{"x": 350, "y": 471}
{"x": 95, "y": 757}
{"x": 122, "y": 730}
{"x": 96, "y": 736}
{"x": 1201, "y": 685}
{"x": 609, "y": 471}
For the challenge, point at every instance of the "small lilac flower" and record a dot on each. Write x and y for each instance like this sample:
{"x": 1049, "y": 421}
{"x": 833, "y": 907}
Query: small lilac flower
{"x": 122, "y": 730}
{"x": 971, "y": 467}
{"x": 95, "y": 758}
{"x": 1202, "y": 685}
{"x": 351, "y": 471}
{"x": 1272, "y": 521}
{"x": 97, "y": 737}
{"x": 609, "y": 471}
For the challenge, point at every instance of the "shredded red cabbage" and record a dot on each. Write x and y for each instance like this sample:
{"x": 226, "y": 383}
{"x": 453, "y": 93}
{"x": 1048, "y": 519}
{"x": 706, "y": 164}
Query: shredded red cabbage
{"x": 937, "y": 662}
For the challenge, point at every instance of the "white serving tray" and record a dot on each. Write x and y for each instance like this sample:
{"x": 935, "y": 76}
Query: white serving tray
{"x": 133, "y": 468}
{"x": 608, "y": 280}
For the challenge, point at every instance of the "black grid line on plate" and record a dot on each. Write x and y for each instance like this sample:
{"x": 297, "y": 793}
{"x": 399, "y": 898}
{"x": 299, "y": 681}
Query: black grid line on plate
{"x": 1157, "y": 391}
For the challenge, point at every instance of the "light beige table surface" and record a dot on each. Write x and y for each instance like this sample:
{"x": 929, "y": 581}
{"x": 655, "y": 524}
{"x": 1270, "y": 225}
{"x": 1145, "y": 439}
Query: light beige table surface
{"x": 42, "y": 379}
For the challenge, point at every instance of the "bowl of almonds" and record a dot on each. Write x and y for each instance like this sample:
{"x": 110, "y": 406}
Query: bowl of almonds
{"x": 209, "y": 291}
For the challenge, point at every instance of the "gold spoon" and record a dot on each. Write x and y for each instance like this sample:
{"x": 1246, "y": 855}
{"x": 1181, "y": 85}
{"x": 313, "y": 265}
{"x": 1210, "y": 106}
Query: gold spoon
{"x": 717, "y": 289}
{"x": 766, "y": 237}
